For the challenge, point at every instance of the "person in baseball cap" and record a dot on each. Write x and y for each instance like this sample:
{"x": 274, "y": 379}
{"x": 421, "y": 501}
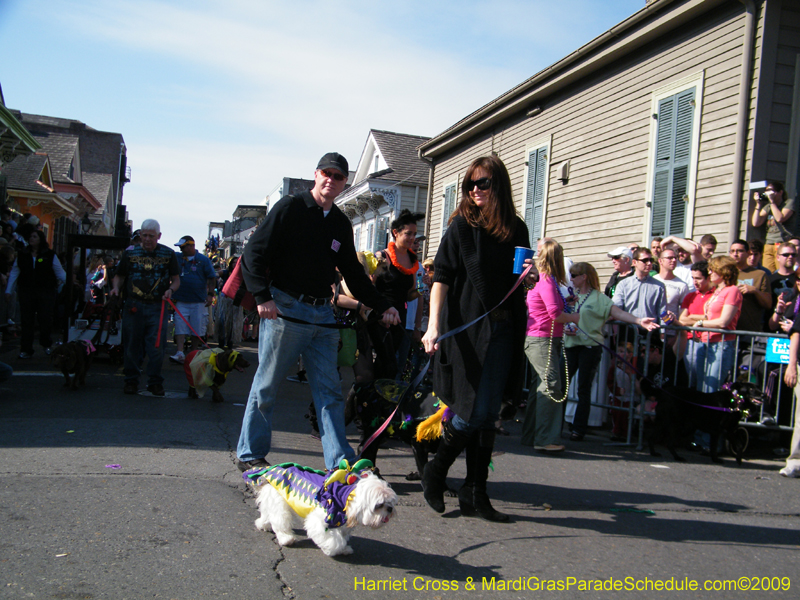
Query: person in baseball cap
{"x": 193, "y": 297}
{"x": 620, "y": 251}
{"x": 334, "y": 160}
{"x": 289, "y": 265}
{"x": 621, "y": 258}
{"x": 187, "y": 239}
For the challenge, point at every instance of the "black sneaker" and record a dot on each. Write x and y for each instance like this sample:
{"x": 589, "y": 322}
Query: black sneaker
{"x": 256, "y": 463}
{"x": 131, "y": 387}
{"x": 156, "y": 389}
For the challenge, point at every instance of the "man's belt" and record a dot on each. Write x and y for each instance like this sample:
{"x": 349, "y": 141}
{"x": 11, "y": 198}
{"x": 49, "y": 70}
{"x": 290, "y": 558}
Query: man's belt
{"x": 308, "y": 299}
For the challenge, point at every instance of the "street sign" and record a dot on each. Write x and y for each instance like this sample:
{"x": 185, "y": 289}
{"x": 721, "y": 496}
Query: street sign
{"x": 778, "y": 351}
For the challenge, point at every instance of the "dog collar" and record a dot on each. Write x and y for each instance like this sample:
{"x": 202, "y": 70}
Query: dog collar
{"x": 212, "y": 360}
{"x": 304, "y": 488}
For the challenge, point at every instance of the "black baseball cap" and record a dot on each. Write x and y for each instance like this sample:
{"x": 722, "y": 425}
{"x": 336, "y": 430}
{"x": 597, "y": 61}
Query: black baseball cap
{"x": 333, "y": 160}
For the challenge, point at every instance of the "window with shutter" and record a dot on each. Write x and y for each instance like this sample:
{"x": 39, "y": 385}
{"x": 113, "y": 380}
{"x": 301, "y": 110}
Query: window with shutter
{"x": 535, "y": 192}
{"x": 357, "y": 240}
{"x": 370, "y": 230}
{"x": 450, "y": 193}
{"x": 381, "y": 233}
{"x": 672, "y": 163}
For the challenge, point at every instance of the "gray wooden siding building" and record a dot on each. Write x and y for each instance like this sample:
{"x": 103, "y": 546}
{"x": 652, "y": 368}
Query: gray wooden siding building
{"x": 646, "y": 130}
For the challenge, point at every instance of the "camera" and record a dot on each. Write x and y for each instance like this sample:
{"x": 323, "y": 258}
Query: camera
{"x": 763, "y": 197}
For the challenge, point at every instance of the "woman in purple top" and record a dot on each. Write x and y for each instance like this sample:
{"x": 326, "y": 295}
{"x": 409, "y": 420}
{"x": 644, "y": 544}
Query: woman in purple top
{"x": 544, "y": 349}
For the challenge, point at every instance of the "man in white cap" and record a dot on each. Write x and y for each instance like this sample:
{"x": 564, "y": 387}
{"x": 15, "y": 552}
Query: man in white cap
{"x": 621, "y": 260}
{"x": 196, "y": 293}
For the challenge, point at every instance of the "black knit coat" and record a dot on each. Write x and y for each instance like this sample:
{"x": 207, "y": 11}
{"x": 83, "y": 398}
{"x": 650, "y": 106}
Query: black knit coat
{"x": 478, "y": 270}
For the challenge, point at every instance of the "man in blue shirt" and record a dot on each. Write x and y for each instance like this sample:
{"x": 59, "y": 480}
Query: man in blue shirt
{"x": 195, "y": 294}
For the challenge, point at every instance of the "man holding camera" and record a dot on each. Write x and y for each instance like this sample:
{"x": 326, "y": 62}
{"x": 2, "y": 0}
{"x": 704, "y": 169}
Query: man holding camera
{"x": 777, "y": 211}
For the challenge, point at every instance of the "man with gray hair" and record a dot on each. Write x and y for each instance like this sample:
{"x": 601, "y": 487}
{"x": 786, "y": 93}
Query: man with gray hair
{"x": 622, "y": 259}
{"x": 151, "y": 274}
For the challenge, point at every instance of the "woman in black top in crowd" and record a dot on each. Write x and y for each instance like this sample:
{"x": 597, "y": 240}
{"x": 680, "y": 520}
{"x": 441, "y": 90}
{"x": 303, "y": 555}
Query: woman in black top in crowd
{"x": 398, "y": 284}
{"x": 477, "y": 367}
{"x": 36, "y": 275}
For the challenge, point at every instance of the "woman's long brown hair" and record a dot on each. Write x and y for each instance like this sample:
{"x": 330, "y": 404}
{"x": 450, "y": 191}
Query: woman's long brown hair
{"x": 499, "y": 216}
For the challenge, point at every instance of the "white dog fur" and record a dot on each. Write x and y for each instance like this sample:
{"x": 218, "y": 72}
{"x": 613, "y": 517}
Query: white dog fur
{"x": 372, "y": 506}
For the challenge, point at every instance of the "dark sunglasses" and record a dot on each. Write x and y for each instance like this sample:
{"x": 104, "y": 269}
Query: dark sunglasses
{"x": 483, "y": 184}
{"x": 645, "y": 260}
{"x": 333, "y": 175}
{"x": 788, "y": 255}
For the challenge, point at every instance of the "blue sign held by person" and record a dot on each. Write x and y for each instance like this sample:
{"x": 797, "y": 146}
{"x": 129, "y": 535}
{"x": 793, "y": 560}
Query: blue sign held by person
{"x": 778, "y": 351}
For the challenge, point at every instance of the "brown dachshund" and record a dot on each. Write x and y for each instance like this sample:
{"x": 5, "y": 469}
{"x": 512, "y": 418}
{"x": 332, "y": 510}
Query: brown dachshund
{"x": 209, "y": 369}
{"x": 73, "y": 358}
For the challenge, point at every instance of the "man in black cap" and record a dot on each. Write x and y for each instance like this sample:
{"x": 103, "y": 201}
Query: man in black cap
{"x": 289, "y": 265}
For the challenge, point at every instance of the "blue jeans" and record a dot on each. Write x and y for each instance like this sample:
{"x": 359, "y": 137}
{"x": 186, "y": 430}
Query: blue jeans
{"x": 713, "y": 363}
{"x": 5, "y": 372}
{"x": 139, "y": 333}
{"x": 489, "y": 395}
{"x": 280, "y": 343}
{"x": 690, "y": 361}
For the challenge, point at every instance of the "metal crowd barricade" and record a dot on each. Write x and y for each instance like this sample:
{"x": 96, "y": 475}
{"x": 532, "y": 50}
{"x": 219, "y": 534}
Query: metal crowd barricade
{"x": 754, "y": 361}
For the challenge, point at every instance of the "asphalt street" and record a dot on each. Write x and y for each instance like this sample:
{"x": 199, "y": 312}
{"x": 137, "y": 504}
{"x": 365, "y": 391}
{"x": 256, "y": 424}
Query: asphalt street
{"x": 106, "y": 495}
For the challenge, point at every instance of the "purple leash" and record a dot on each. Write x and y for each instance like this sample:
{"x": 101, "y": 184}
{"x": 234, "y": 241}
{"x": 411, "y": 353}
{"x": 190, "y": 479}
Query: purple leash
{"x": 413, "y": 385}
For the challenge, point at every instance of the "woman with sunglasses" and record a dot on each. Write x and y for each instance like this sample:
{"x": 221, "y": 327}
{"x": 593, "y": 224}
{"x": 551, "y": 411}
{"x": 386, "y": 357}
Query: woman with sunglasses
{"x": 715, "y": 355}
{"x": 398, "y": 284}
{"x": 475, "y": 368}
{"x": 583, "y": 349}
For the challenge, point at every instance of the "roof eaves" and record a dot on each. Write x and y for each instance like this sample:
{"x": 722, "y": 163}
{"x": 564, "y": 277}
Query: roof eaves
{"x": 10, "y": 121}
{"x": 517, "y": 97}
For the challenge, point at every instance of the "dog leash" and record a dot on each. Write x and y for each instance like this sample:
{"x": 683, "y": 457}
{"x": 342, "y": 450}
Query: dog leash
{"x": 161, "y": 320}
{"x": 418, "y": 379}
{"x": 726, "y": 386}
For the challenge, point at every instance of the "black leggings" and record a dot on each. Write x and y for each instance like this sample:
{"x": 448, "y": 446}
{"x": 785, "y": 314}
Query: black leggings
{"x": 33, "y": 304}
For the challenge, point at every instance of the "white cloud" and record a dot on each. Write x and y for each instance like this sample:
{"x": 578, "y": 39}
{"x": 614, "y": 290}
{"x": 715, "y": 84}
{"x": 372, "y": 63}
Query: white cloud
{"x": 218, "y": 102}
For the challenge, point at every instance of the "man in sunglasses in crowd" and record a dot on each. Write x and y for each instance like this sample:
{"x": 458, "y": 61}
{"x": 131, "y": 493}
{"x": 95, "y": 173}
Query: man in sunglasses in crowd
{"x": 621, "y": 259}
{"x": 289, "y": 265}
{"x": 783, "y": 280}
{"x": 641, "y": 295}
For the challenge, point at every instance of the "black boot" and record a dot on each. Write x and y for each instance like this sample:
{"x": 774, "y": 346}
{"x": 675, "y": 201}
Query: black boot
{"x": 479, "y": 496}
{"x": 465, "y": 501}
{"x": 434, "y": 476}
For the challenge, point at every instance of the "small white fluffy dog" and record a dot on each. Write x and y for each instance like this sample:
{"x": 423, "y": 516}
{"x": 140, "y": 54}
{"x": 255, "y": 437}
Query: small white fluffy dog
{"x": 287, "y": 499}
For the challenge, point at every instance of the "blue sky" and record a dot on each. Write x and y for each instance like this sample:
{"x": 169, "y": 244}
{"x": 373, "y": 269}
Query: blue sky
{"x": 218, "y": 102}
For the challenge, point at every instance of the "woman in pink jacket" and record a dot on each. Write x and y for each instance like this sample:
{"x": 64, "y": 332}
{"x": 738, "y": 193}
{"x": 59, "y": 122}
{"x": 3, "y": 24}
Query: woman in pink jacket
{"x": 544, "y": 349}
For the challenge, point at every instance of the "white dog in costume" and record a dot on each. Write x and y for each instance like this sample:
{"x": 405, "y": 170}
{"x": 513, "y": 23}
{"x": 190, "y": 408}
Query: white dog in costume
{"x": 327, "y": 505}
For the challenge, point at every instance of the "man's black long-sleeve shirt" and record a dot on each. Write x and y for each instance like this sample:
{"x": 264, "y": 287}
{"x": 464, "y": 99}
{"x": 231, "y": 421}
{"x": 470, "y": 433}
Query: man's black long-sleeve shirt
{"x": 297, "y": 249}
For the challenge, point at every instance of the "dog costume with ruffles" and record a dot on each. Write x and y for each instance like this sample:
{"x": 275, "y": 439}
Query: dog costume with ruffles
{"x": 305, "y": 489}
{"x": 201, "y": 365}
